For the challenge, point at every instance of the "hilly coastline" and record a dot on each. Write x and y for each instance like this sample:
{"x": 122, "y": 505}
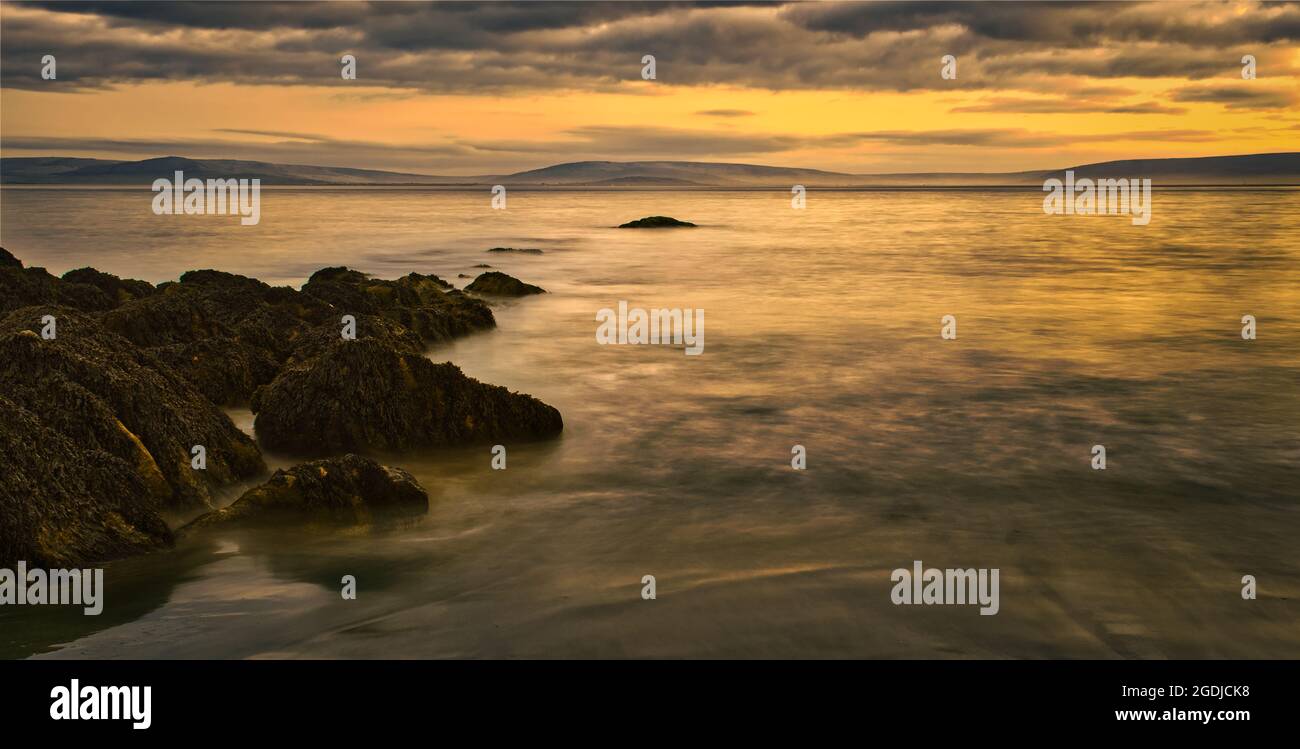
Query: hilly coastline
{"x": 1244, "y": 170}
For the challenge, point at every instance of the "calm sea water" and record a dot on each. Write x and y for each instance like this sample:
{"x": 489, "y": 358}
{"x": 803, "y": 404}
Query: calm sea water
{"x": 822, "y": 329}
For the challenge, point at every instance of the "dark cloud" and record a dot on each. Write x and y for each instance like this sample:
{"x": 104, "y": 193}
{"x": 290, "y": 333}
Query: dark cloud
{"x": 520, "y": 46}
{"x": 1067, "y": 24}
{"x": 1240, "y": 95}
{"x": 1011, "y": 105}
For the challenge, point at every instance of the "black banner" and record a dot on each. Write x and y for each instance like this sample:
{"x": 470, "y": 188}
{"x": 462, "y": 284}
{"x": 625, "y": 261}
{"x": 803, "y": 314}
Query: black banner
{"x": 241, "y": 699}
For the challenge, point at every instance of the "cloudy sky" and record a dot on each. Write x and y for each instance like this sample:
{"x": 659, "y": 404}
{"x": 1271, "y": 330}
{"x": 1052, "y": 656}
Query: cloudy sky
{"x": 494, "y": 87}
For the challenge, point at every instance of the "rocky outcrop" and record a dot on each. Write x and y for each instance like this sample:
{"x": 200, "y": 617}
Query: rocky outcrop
{"x": 496, "y": 283}
{"x": 364, "y": 395}
{"x": 22, "y": 287}
{"x": 118, "y": 290}
{"x": 66, "y": 503}
{"x": 655, "y": 222}
{"x": 350, "y": 490}
{"x": 102, "y": 393}
{"x": 424, "y": 304}
{"x": 369, "y": 328}
{"x": 227, "y": 334}
{"x": 98, "y": 422}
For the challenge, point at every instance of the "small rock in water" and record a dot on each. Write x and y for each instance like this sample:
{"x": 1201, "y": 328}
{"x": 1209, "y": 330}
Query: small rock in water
{"x": 348, "y": 490}
{"x": 654, "y": 222}
{"x": 497, "y": 283}
{"x": 525, "y": 251}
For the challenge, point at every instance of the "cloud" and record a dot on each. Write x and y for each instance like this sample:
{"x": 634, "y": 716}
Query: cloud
{"x": 1012, "y": 105}
{"x": 1239, "y": 95}
{"x": 725, "y": 113}
{"x": 507, "y": 46}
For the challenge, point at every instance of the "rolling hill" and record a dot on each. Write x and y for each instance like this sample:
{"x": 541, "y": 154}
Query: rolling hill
{"x": 1254, "y": 169}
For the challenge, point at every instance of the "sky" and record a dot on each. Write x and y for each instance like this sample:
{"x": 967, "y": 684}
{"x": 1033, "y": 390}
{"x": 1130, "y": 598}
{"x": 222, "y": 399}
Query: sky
{"x": 496, "y": 87}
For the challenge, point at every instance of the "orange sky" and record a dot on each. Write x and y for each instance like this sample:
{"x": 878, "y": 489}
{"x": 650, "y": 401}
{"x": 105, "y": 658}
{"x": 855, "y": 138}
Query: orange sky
{"x": 441, "y": 119}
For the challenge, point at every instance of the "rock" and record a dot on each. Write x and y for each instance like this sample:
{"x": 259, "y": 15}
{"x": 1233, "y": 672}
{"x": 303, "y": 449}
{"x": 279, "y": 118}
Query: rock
{"x": 227, "y": 334}
{"x": 364, "y": 395}
{"x": 424, "y": 304}
{"x": 462, "y": 275}
{"x": 22, "y": 287}
{"x": 497, "y": 283}
{"x": 654, "y": 222}
{"x": 103, "y": 393}
{"x": 7, "y": 260}
{"x": 349, "y": 490}
{"x": 369, "y": 327}
{"x": 65, "y": 503}
{"x": 225, "y": 370}
{"x": 482, "y": 265}
{"x": 524, "y": 251}
{"x": 118, "y": 290}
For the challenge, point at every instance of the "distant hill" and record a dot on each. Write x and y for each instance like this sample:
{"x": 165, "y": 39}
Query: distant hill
{"x": 669, "y": 172}
{"x": 1255, "y": 169}
{"x": 103, "y": 172}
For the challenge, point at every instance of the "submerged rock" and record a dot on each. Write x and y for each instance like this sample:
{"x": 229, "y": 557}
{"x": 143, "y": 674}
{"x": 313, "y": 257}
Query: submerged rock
{"x": 425, "y": 304}
{"x": 103, "y": 393}
{"x": 66, "y": 503}
{"x": 525, "y": 250}
{"x": 365, "y": 395}
{"x": 654, "y": 222}
{"x": 497, "y": 283}
{"x": 350, "y": 489}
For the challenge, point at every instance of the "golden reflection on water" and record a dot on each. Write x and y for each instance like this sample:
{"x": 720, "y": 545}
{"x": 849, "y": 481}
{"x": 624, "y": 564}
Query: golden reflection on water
{"x": 822, "y": 330}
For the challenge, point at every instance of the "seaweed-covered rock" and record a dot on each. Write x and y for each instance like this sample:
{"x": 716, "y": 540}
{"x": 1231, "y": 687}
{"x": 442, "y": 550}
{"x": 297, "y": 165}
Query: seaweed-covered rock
{"x": 22, "y": 287}
{"x": 496, "y": 283}
{"x": 227, "y": 334}
{"x": 64, "y": 503}
{"x": 118, "y": 290}
{"x": 655, "y": 222}
{"x": 101, "y": 392}
{"x": 364, "y": 395}
{"x": 350, "y": 489}
{"x": 369, "y": 327}
{"x": 225, "y": 369}
{"x": 425, "y": 304}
